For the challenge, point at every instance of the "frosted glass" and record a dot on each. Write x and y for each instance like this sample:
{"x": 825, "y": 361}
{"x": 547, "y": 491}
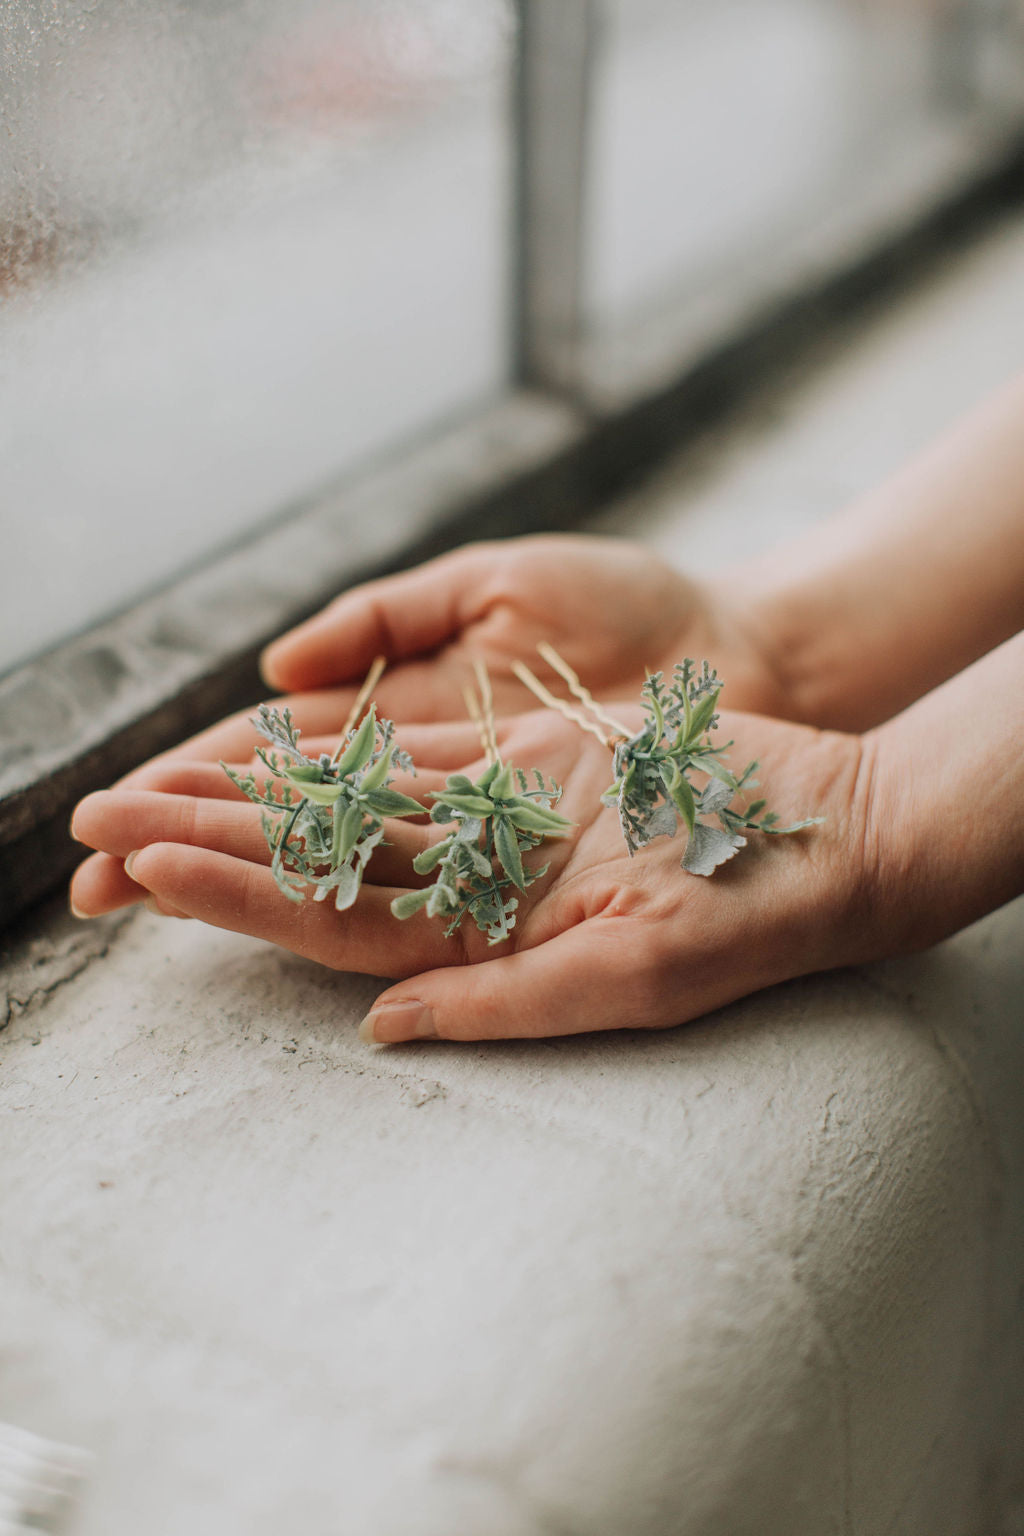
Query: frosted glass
{"x": 721, "y": 128}
{"x": 243, "y": 245}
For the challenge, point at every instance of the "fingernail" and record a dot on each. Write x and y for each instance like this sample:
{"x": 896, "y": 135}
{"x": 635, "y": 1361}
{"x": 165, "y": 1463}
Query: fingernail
{"x": 153, "y": 905}
{"x": 404, "y": 1019}
{"x": 71, "y": 831}
{"x": 130, "y": 861}
{"x": 77, "y": 912}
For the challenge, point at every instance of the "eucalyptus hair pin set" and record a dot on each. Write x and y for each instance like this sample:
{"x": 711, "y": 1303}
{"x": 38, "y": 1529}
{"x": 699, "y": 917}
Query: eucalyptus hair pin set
{"x": 323, "y": 818}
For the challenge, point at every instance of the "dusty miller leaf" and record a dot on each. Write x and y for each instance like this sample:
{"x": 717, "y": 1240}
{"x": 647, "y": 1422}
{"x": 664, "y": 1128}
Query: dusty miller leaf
{"x": 709, "y": 847}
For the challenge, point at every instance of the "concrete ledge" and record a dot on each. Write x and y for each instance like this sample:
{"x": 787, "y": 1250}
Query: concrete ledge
{"x": 755, "y": 1275}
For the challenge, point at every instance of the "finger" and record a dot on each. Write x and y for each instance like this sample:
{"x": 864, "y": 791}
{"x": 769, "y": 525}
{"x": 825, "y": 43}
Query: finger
{"x": 448, "y": 745}
{"x": 234, "y": 741}
{"x": 397, "y": 617}
{"x": 244, "y": 898}
{"x": 235, "y": 738}
{"x": 120, "y": 822}
{"x": 583, "y": 979}
{"x": 208, "y": 781}
{"x": 100, "y": 884}
{"x": 181, "y": 776}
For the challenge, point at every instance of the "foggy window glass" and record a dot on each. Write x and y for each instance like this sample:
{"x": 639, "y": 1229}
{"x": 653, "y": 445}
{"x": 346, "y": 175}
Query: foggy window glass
{"x": 244, "y": 244}
{"x": 721, "y": 129}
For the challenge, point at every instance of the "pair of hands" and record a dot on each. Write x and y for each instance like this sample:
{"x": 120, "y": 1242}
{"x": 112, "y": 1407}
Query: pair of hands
{"x": 602, "y": 940}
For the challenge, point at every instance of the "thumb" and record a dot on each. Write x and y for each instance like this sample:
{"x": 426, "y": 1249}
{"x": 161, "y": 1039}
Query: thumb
{"x": 585, "y": 979}
{"x": 397, "y": 617}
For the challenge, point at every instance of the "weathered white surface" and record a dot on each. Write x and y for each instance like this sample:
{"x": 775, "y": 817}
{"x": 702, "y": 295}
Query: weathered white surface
{"x": 758, "y": 1275}
{"x": 755, "y": 1275}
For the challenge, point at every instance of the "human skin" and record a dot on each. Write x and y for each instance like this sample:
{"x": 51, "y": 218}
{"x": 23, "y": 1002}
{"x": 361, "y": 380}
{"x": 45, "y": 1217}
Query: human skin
{"x": 610, "y": 608}
{"x": 833, "y": 637}
{"x": 842, "y": 627}
{"x": 604, "y": 940}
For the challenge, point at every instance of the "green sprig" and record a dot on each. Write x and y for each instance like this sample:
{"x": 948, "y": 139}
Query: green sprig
{"x": 495, "y": 820}
{"x": 323, "y": 818}
{"x": 654, "y": 791}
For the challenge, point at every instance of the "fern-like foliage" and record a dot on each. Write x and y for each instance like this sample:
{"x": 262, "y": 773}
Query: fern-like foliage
{"x": 653, "y": 791}
{"x": 479, "y": 865}
{"x": 323, "y": 817}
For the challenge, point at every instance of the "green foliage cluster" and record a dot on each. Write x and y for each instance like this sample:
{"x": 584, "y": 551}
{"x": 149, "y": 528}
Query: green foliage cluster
{"x": 653, "y": 789}
{"x": 495, "y": 820}
{"x": 323, "y": 818}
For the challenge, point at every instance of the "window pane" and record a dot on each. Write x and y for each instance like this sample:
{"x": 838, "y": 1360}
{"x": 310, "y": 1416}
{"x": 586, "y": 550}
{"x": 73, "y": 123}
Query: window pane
{"x": 243, "y": 244}
{"x": 723, "y": 129}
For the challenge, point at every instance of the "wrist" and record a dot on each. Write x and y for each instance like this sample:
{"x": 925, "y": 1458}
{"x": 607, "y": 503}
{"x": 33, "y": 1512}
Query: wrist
{"x": 757, "y": 645}
{"x": 814, "y": 647}
{"x": 944, "y": 806}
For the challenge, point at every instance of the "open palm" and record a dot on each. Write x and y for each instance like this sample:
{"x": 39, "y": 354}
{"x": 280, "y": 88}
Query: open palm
{"x": 602, "y": 940}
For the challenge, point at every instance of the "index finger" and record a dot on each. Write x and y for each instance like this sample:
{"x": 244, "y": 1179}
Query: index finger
{"x": 397, "y": 616}
{"x": 235, "y": 738}
{"x": 232, "y": 893}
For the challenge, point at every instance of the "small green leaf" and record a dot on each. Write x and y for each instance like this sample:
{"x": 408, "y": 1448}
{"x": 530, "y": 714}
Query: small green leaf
{"x": 708, "y": 764}
{"x": 486, "y": 779}
{"x": 680, "y": 793}
{"x": 412, "y": 901}
{"x": 389, "y": 802}
{"x": 500, "y": 786}
{"x": 349, "y": 879}
{"x": 464, "y": 800}
{"x": 360, "y": 748}
{"x": 479, "y": 860}
{"x": 534, "y": 818}
{"x": 347, "y": 826}
{"x": 320, "y": 793}
{"x": 303, "y": 773}
{"x": 429, "y": 858}
{"x": 506, "y": 846}
{"x": 701, "y": 716}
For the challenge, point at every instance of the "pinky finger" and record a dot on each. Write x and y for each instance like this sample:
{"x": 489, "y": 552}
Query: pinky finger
{"x": 233, "y": 893}
{"x": 100, "y": 885}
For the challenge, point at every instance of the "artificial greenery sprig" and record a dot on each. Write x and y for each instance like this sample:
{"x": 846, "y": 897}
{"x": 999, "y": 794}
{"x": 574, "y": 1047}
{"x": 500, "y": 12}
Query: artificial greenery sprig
{"x": 495, "y": 820}
{"x": 322, "y": 818}
{"x": 653, "y": 789}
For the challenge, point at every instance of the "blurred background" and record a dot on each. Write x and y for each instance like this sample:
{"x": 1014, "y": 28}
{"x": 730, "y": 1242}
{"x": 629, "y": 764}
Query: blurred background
{"x": 249, "y": 246}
